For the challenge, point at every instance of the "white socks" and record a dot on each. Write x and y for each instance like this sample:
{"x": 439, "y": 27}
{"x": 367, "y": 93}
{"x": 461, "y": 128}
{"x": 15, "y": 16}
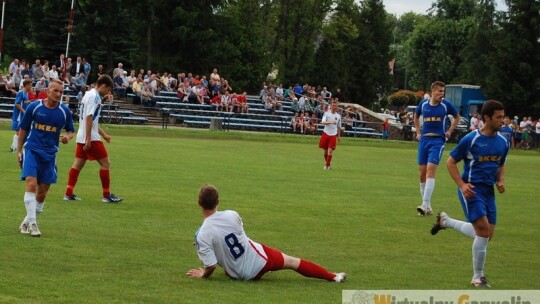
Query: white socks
{"x": 15, "y": 142}
{"x": 422, "y": 187}
{"x": 30, "y": 204}
{"x": 460, "y": 226}
{"x": 479, "y": 251}
{"x": 428, "y": 190}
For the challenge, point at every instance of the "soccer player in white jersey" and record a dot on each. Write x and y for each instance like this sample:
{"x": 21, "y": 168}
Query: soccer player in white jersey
{"x": 89, "y": 144}
{"x": 484, "y": 153}
{"x": 221, "y": 240}
{"x": 332, "y": 127}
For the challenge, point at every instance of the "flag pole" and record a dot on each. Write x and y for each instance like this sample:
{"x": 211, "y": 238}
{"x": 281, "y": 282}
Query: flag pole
{"x": 2, "y": 29}
{"x": 70, "y": 28}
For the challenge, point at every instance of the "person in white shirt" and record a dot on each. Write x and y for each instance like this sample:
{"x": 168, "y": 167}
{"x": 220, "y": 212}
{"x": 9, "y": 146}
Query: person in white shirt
{"x": 331, "y": 133}
{"x": 53, "y": 73}
{"x": 221, "y": 240}
{"x": 89, "y": 144}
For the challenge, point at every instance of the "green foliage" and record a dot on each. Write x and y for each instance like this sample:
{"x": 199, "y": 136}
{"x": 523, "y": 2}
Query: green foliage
{"x": 402, "y": 98}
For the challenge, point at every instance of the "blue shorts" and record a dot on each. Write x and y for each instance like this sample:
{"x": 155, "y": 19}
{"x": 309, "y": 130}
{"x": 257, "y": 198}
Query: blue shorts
{"x": 482, "y": 204}
{"x": 44, "y": 170}
{"x": 15, "y": 125}
{"x": 430, "y": 150}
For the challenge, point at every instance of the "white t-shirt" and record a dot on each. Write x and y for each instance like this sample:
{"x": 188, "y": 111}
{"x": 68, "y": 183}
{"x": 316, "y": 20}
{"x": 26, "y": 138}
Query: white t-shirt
{"x": 221, "y": 240}
{"x": 90, "y": 106}
{"x": 331, "y": 129}
{"x": 538, "y": 127}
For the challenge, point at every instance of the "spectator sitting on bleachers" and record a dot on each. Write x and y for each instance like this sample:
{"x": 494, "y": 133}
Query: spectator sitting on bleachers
{"x": 80, "y": 81}
{"x": 279, "y": 93}
{"x": 263, "y": 92}
{"x": 147, "y": 96}
{"x": 4, "y": 89}
{"x": 290, "y": 94}
{"x": 295, "y": 107}
{"x": 153, "y": 84}
{"x": 215, "y": 102}
{"x": 226, "y": 102}
{"x": 295, "y": 123}
{"x": 53, "y": 73}
{"x": 181, "y": 92}
{"x": 137, "y": 89}
{"x": 37, "y": 71}
{"x": 41, "y": 85}
{"x": 234, "y": 103}
{"x": 27, "y": 70}
{"x": 216, "y": 88}
{"x": 298, "y": 90}
{"x": 202, "y": 94}
{"x": 326, "y": 94}
{"x": 242, "y": 103}
{"x": 347, "y": 121}
{"x": 313, "y": 124}
{"x": 225, "y": 86}
{"x": 204, "y": 81}
{"x": 131, "y": 79}
{"x": 306, "y": 122}
{"x": 192, "y": 98}
{"x": 271, "y": 104}
{"x": 119, "y": 87}
{"x": 17, "y": 79}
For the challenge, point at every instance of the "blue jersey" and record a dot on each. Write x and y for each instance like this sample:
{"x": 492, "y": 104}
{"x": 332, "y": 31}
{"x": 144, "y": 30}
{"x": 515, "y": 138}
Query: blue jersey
{"x": 434, "y": 117}
{"x": 44, "y": 126}
{"x": 482, "y": 156}
{"x": 23, "y": 100}
{"x": 507, "y": 131}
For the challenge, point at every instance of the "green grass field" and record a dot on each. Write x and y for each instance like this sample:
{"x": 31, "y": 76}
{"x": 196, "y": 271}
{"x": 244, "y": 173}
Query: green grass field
{"x": 358, "y": 218}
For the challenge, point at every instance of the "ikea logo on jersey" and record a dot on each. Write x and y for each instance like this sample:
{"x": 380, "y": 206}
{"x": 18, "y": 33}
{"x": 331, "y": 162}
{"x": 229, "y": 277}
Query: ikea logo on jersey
{"x": 45, "y": 127}
{"x": 440, "y": 297}
{"x": 434, "y": 118}
{"x": 489, "y": 158}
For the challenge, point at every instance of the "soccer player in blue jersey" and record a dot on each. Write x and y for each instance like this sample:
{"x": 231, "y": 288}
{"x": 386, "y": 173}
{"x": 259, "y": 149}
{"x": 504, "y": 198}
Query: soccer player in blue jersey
{"x": 507, "y": 131}
{"x": 432, "y": 136}
{"x": 484, "y": 154}
{"x": 41, "y": 125}
{"x": 19, "y": 107}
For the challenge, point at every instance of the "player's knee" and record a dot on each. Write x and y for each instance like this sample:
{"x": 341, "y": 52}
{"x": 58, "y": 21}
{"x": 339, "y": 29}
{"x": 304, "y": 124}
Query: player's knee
{"x": 290, "y": 262}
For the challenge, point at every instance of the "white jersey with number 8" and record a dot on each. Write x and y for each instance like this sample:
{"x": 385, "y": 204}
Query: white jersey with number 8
{"x": 221, "y": 240}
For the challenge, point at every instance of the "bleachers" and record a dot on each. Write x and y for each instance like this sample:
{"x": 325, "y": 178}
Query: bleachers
{"x": 258, "y": 118}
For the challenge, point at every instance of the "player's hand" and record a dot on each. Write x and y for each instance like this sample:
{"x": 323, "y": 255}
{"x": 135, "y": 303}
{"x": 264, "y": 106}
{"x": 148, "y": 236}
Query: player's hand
{"x": 500, "y": 187}
{"x": 447, "y": 134}
{"x": 19, "y": 159}
{"x": 107, "y": 138}
{"x": 418, "y": 137}
{"x": 64, "y": 139}
{"x": 467, "y": 190}
{"x": 195, "y": 273}
{"x": 87, "y": 146}
{"x": 339, "y": 139}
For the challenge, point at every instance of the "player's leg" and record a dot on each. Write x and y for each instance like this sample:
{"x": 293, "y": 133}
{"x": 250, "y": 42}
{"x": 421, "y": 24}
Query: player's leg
{"x": 30, "y": 204}
{"x": 431, "y": 169}
{"x": 331, "y": 147}
{"x": 323, "y": 144}
{"x": 104, "y": 176}
{"x": 73, "y": 176}
{"x": 479, "y": 250}
{"x": 422, "y": 169}
{"x": 41, "y": 194}
{"x": 310, "y": 269}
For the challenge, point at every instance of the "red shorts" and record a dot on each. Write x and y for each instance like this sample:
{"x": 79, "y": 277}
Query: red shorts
{"x": 274, "y": 261}
{"x": 327, "y": 141}
{"x": 97, "y": 151}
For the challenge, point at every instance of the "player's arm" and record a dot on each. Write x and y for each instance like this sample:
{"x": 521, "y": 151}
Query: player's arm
{"x": 466, "y": 188}
{"x": 104, "y": 135}
{"x": 453, "y": 126}
{"x": 202, "y": 273}
{"x": 88, "y": 121}
{"x": 20, "y": 142}
{"x": 416, "y": 121}
{"x": 500, "y": 179}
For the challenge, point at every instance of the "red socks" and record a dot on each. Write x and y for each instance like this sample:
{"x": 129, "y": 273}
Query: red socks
{"x": 105, "y": 182}
{"x": 72, "y": 181}
{"x": 328, "y": 160}
{"x": 312, "y": 270}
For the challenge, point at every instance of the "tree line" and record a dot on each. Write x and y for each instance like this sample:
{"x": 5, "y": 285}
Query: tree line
{"x": 333, "y": 43}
